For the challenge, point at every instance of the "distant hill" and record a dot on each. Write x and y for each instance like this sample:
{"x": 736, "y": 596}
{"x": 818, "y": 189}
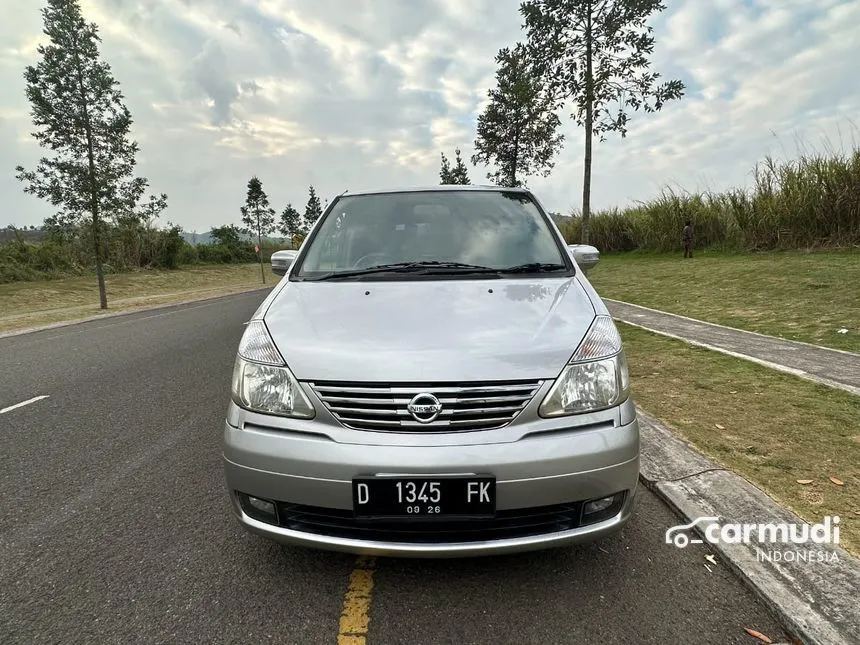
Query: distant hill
{"x": 197, "y": 238}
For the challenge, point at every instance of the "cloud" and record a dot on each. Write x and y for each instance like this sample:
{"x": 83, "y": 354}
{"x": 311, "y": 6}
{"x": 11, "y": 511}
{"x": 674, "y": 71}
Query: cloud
{"x": 368, "y": 93}
{"x": 760, "y": 76}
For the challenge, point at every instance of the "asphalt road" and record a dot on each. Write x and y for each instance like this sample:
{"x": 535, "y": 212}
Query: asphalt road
{"x": 115, "y": 528}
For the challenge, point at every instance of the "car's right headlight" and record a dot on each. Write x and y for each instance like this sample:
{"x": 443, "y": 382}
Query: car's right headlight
{"x": 596, "y": 376}
{"x": 262, "y": 382}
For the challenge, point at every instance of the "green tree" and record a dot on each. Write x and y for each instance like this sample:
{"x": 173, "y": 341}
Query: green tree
{"x": 134, "y": 237}
{"x": 517, "y": 130}
{"x": 258, "y": 217}
{"x": 313, "y": 210}
{"x": 79, "y": 115}
{"x": 459, "y": 174}
{"x": 456, "y": 175}
{"x": 302, "y": 230}
{"x": 595, "y": 53}
{"x": 153, "y": 208}
{"x": 290, "y": 225}
{"x": 445, "y": 176}
{"x": 229, "y": 236}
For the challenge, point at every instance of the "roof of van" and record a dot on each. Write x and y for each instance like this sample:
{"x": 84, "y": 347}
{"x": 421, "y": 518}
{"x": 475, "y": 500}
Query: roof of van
{"x": 436, "y": 188}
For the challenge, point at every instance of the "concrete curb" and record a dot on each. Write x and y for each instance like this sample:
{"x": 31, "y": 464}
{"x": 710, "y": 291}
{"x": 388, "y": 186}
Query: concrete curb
{"x": 115, "y": 314}
{"x": 816, "y": 602}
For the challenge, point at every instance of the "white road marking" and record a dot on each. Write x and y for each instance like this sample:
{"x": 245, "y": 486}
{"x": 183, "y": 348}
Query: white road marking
{"x": 23, "y": 403}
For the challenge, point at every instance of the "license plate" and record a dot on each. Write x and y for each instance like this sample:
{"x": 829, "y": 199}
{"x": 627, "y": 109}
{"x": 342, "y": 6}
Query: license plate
{"x": 463, "y": 496}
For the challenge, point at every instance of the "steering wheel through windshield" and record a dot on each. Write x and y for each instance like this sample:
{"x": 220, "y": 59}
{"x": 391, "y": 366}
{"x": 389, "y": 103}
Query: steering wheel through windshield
{"x": 384, "y": 257}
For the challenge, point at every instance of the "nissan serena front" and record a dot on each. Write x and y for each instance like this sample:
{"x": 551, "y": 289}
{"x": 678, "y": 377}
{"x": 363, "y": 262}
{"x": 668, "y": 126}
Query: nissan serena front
{"x": 433, "y": 376}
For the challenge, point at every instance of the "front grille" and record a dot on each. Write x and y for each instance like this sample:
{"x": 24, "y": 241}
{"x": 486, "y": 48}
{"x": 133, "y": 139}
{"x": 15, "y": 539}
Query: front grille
{"x": 464, "y": 406}
{"x": 518, "y": 523}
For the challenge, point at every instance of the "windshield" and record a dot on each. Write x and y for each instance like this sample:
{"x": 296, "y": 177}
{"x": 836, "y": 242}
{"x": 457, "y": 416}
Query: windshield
{"x": 486, "y": 230}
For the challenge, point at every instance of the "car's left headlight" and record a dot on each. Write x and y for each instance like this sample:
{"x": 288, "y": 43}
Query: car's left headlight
{"x": 262, "y": 382}
{"x": 595, "y": 378}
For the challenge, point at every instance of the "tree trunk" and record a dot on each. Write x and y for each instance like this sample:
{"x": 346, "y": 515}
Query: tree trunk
{"x": 513, "y": 179}
{"x": 520, "y": 126}
{"x": 97, "y": 247}
{"x": 93, "y": 187}
{"x": 589, "y": 124}
{"x": 260, "y": 252}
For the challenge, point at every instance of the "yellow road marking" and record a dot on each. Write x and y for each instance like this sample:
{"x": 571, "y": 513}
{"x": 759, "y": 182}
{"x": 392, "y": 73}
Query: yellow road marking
{"x": 355, "y": 617}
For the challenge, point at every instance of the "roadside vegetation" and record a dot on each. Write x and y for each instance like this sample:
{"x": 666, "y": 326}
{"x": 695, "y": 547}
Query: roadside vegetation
{"x": 812, "y": 202}
{"x": 134, "y": 242}
{"x": 795, "y": 295}
{"x": 30, "y": 304}
{"x": 60, "y": 249}
{"x": 62, "y": 252}
{"x": 774, "y": 429}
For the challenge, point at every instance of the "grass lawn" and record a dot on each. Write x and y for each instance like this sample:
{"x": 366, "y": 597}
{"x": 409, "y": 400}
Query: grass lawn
{"x": 29, "y": 304}
{"x": 794, "y": 295}
{"x": 771, "y": 428}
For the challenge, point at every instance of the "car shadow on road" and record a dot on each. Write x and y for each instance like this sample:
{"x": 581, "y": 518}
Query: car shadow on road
{"x": 630, "y": 587}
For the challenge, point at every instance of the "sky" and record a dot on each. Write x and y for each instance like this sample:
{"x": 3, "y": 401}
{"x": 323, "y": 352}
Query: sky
{"x": 358, "y": 94}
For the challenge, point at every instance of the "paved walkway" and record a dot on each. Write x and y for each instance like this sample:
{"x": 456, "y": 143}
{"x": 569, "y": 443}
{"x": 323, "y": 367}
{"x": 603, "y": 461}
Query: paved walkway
{"x": 832, "y": 367}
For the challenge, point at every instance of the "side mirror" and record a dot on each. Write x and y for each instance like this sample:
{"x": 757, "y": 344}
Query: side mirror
{"x": 281, "y": 263}
{"x": 585, "y": 255}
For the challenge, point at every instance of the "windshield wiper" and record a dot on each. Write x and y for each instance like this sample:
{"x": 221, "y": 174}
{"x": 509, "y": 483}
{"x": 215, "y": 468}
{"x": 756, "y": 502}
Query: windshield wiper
{"x": 409, "y": 267}
{"x": 534, "y": 267}
{"x": 430, "y": 267}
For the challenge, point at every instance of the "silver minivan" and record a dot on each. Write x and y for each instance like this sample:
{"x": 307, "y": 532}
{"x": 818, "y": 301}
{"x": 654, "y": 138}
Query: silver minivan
{"x": 433, "y": 376}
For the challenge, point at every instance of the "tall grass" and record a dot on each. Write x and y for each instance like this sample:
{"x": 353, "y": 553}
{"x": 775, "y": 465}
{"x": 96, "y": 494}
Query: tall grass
{"x": 811, "y": 202}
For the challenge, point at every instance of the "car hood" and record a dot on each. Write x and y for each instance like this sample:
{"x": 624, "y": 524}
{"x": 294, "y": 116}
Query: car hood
{"x": 423, "y": 331}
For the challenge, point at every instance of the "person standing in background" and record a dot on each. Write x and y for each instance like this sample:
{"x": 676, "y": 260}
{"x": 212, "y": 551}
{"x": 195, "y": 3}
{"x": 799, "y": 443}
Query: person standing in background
{"x": 688, "y": 239}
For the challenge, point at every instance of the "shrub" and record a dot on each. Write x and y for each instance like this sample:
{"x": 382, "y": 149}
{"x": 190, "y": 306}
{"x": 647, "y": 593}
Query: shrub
{"x": 13, "y": 272}
{"x": 214, "y": 254}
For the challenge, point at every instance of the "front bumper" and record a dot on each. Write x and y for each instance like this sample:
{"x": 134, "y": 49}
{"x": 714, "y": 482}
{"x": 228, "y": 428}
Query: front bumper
{"x": 314, "y": 475}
